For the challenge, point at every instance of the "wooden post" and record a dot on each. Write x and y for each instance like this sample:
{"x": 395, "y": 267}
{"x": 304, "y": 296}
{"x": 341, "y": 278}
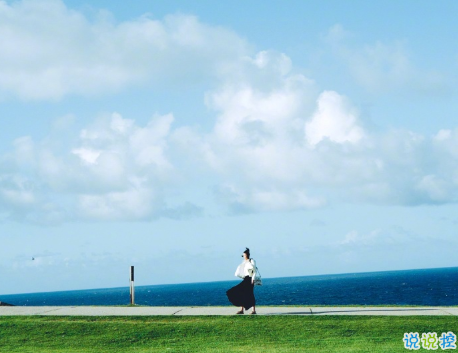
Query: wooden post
{"x": 132, "y": 287}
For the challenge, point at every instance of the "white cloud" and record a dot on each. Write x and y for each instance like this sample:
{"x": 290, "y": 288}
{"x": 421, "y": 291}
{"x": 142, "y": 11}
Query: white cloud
{"x": 252, "y": 199}
{"x": 49, "y": 51}
{"x": 382, "y": 67}
{"x": 265, "y": 144}
{"x": 334, "y": 119}
{"x": 277, "y": 142}
{"x": 354, "y": 238}
{"x": 24, "y": 150}
{"x": 391, "y": 237}
{"x": 116, "y": 170}
{"x": 282, "y": 146}
{"x": 436, "y": 188}
{"x": 15, "y": 191}
{"x": 445, "y": 143}
{"x": 138, "y": 202}
{"x": 87, "y": 155}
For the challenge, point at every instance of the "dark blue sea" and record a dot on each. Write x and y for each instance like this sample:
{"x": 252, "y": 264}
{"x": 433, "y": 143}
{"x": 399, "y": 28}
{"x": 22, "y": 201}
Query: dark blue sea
{"x": 411, "y": 287}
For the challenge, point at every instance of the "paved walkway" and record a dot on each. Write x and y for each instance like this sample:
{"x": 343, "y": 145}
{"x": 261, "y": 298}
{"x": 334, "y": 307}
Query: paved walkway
{"x": 219, "y": 310}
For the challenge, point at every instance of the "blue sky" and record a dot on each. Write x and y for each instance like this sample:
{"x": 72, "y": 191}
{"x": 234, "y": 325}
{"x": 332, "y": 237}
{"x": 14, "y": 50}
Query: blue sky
{"x": 169, "y": 136}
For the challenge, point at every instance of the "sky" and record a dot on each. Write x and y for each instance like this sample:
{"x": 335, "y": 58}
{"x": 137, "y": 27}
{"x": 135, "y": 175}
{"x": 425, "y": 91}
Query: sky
{"x": 169, "y": 136}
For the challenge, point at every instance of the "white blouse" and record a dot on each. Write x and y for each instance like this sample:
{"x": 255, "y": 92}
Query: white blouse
{"x": 246, "y": 268}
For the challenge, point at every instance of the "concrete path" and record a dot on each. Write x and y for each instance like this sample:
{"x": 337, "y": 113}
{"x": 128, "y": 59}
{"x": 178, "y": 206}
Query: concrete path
{"x": 219, "y": 310}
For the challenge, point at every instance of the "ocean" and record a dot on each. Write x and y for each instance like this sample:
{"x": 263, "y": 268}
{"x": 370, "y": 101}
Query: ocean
{"x": 433, "y": 287}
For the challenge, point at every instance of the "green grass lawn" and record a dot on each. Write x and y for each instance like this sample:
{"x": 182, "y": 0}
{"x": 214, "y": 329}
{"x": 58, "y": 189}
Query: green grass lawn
{"x": 216, "y": 333}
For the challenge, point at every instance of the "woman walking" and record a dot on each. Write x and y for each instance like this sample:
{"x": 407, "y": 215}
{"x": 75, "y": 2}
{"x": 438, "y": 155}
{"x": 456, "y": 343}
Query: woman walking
{"x": 243, "y": 293}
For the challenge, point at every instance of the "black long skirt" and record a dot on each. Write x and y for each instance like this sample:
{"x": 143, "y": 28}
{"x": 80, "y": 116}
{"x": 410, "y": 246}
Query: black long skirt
{"x": 242, "y": 294}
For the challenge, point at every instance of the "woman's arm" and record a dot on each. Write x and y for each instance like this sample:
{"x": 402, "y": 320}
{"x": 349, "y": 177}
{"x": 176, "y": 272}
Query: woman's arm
{"x": 253, "y": 262}
{"x": 239, "y": 272}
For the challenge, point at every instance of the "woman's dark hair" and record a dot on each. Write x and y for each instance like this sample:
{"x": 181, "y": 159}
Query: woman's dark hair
{"x": 247, "y": 252}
